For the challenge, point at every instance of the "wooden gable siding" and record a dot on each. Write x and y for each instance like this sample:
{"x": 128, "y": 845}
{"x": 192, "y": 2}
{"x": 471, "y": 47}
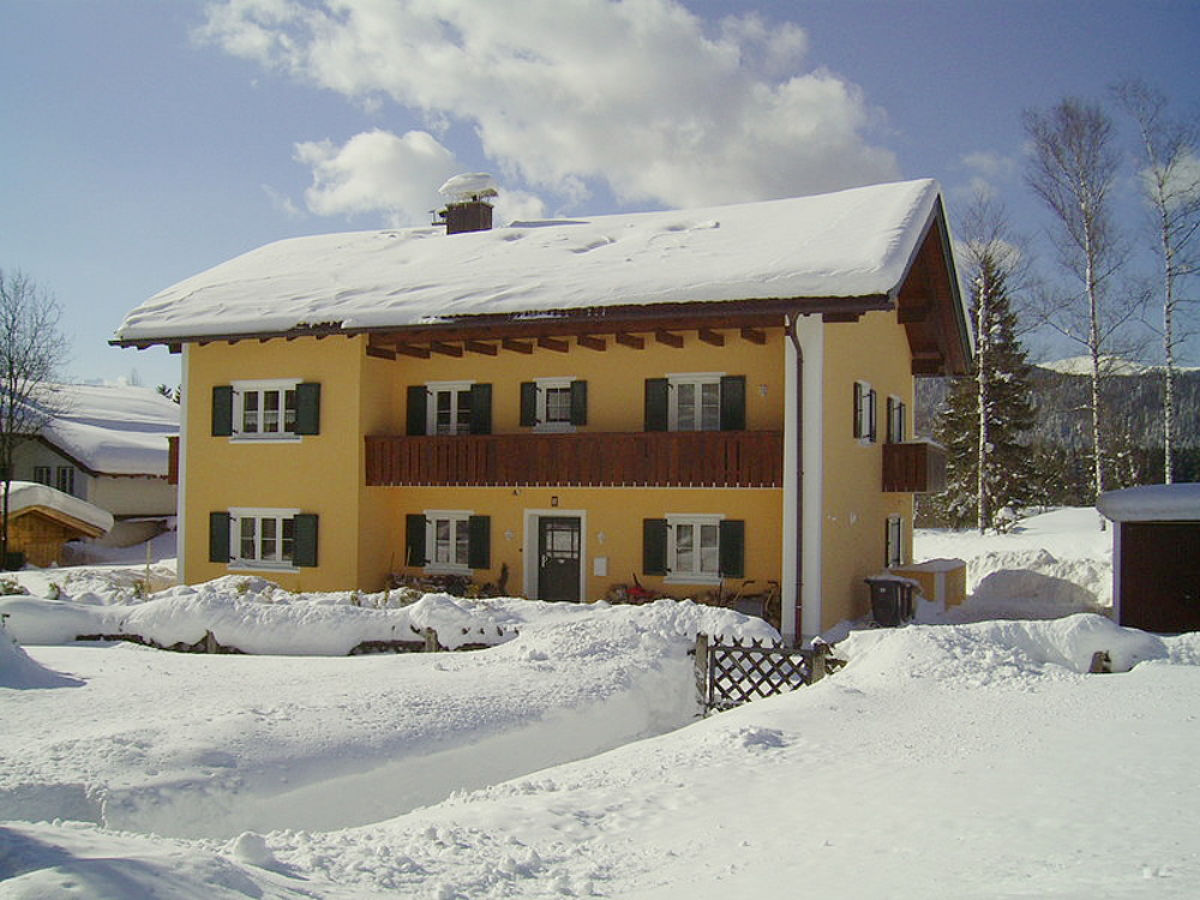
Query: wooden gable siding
{"x": 659, "y": 459}
{"x": 40, "y": 532}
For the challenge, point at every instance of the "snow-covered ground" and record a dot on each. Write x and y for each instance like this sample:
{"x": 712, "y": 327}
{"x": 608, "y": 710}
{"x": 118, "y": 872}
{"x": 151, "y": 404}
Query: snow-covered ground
{"x": 965, "y": 760}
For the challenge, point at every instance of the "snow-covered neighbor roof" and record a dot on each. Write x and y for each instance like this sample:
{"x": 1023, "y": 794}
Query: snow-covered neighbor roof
{"x": 1152, "y": 503}
{"x": 853, "y": 243}
{"x": 1111, "y": 365}
{"x": 25, "y": 494}
{"x": 113, "y": 429}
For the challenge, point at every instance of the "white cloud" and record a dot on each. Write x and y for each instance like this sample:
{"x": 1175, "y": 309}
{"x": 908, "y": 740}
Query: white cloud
{"x": 563, "y": 97}
{"x": 377, "y": 171}
{"x": 990, "y": 165}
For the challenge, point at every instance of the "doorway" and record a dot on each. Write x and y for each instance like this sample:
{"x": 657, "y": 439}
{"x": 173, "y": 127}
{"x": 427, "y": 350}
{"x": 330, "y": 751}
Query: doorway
{"x": 560, "y": 557}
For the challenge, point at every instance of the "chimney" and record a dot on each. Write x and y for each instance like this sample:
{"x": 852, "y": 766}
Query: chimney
{"x": 467, "y": 206}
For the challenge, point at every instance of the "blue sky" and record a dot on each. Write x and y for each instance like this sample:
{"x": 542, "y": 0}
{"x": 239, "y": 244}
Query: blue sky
{"x": 145, "y": 141}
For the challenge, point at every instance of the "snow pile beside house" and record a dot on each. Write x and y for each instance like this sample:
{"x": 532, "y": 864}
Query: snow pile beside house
{"x": 254, "y": 615}
{"x": 18, "y": 671}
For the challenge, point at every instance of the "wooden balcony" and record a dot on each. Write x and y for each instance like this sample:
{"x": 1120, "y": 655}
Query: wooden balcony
{"x": 657, "y": 459}
{"x": 915, "y": 467}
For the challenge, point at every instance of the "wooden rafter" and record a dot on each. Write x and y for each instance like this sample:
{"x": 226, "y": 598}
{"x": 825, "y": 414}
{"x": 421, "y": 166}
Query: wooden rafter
{"x": 517, "y": 346}
{"x": 555, "y": 344}
{"x": 445, "y": 349}
{"x": 481, "y": 347}
{"x": 668, "y": 338}
{"x": 410, "y": 350}
{"x": 631, "y": 340}
{"x": 754, "y": 335}
{"x": 592, "y": 342}
{"x": 712, "y": 337}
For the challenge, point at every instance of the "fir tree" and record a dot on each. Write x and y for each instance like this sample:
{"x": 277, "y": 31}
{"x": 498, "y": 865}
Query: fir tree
{"x": 988, "y": 469}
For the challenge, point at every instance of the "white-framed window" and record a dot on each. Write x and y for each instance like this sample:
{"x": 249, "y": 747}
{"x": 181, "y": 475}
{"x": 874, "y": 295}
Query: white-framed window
{"x": 265, "y": 410}
{"x": 262, "y": 538}
{"x": 65, "y": 479}
{"x": 448, "y": 541}
{"x": 554, "y": 404}
{"x": 41, "y": 474}
{"x": 897, "y": 425}
{"x": 695, "y": 401}
{"x": 694, "y": 549}
{"x": 449, "y": 407}
{"x": 864, "y": 412}
{"x": 894, "y": 546}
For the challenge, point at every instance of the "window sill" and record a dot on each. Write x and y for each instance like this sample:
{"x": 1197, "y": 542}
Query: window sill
{"x": 251, "y": 566}
{"x": 265, "y": 439}
{"x": 444, "y": 569}
{"x": 553, "y": 428}
{"x": 690, "y": 578}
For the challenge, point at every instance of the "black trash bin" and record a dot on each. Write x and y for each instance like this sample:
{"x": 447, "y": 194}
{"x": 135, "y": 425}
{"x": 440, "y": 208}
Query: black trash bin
{"x": 891, "y": 600}
{"x": 14, "y": 561}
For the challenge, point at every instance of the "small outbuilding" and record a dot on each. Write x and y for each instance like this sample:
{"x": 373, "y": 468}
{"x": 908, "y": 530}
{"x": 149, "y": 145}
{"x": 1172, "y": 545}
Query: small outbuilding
{"x": 1156, "y": 556}
{"x": 41, "y": 520}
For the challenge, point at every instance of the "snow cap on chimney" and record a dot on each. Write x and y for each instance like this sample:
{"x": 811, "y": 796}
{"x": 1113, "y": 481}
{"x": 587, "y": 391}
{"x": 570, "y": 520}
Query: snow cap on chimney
{"x": 467, "y": 206}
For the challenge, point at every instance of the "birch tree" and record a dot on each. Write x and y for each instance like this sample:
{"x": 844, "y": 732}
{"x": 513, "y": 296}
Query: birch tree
{"x": 31, "y": 349}
{"x": 1170, "y": 183}
{"x": 1071, "y": 169}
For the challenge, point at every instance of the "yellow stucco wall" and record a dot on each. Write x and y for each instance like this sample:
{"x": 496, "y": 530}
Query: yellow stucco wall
{"x": 873, "y": 349}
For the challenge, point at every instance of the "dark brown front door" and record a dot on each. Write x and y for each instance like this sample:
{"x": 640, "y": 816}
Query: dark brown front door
{"x": 1160, "y": 576}
{"x": 559, "y": 558}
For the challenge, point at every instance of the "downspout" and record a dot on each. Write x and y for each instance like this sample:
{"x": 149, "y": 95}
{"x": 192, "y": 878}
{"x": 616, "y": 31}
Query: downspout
{"x": 185, "y": 392}
{"x": 791, "y": 589}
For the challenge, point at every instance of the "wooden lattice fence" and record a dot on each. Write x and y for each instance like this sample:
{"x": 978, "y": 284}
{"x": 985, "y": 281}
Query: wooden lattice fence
{"x": 730, "y": 673}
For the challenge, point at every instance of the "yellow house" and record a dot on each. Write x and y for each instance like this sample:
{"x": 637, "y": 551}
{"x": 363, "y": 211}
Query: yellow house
{"x": 692, "y": 399}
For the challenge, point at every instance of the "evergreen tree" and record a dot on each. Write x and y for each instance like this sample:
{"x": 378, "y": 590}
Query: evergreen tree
{"x": 989, "y": 475}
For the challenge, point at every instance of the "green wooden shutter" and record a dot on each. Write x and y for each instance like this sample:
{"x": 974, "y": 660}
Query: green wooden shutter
{"x": 479, "y": 542}
{"x": 308, "y": 408}
{"x": 414, "y": 540}
{"x": 858, "y": 402}
{"x": 871, "y": 416}
{"x": 733, "y": 548}
{"x": 304, "y": 547}
{"x": 654, "y": 546}
{"x": 656, "y": 418}
{"x": 578, "y": 402}
{"x": 418, "y": 398}
{"x": 222, "y": 410}
{"x": 481, "y": 409}
{"x": 218, "y": 537}
{"x": 733, "y": 403}
{"x": 528, "y": 403}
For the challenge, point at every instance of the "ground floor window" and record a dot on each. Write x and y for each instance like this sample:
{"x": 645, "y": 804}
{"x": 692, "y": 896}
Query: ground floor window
{"x": 895, "y": 542}
{"x": 451, "y": 542}
{"x": 255, "y": 538}
{"x": 694, "y": 549}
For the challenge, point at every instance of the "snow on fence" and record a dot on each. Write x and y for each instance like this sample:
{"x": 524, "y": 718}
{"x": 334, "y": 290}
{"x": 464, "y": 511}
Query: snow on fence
{"x": 731, "y": 673}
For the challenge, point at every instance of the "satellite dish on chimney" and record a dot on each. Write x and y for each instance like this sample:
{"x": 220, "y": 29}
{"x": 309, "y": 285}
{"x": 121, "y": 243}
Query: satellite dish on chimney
{"x": 468, "y": 186}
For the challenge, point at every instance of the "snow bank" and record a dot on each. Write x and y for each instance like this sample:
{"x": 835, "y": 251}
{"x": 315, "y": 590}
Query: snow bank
{"x": 18, "y": 671}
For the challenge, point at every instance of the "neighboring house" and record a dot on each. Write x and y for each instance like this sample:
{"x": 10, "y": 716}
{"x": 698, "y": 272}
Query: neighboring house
{"x": 1156, "y": 556}
{"x": 42, "y": 519}
{"x": 692, "y": 398}
{"x": 108, "y": 445}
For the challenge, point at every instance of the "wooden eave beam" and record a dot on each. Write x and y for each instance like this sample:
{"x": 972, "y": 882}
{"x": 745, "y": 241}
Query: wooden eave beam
{"x": 517, "y": 346}
{"x": 549, "y": 343}
{"x": 711, "y": 337}
{"x": 446, "y": 349}
{"x": 631, "y": 340}
{"x": 481, "y": 348}
{"x": 754, "y": 335}
{"x": 668, "y": 338}
{"x": 835, "y": 317}
{"x": 380, "y": 352}
{"x": 410, "y": 350}
{"x": 592, "y": 342}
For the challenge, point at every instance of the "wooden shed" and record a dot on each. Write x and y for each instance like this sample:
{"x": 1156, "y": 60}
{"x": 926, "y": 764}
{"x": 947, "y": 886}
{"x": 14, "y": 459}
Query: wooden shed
{"x": 1156, "y": 556}
{"x": 41, "y": 520}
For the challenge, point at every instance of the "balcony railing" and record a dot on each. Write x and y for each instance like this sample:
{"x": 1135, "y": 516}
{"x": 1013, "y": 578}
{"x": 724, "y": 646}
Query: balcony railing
{"x": 659, "y": 459}
{"x": 916, "y": 467}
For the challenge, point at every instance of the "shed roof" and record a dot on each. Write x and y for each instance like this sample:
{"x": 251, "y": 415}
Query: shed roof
{"x": 1152, "y": 503}
{"x": 26, "y": 496}
{"x": 849, "y": 244}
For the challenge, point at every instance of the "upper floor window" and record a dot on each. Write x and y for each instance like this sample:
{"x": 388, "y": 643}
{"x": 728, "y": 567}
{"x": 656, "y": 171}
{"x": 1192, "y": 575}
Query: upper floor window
{"x": 450, "y": 407}
{"x": 65, "y": 479}
{"x": 696, "y": 401}
{"x": 554, "y": 404}
{"x": 41, "y": 474}
{"x": 897, "y": 414}
{"x": 864, "y": 412}
{"x": 273, "y": 409}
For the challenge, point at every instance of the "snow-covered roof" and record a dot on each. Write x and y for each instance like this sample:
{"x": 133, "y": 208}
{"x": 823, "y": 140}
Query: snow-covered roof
{"x": 113, "y": 429}
{"x": 1111, "y": 365}
{"x": 26, "y": 494}
{"x": 1153, "y": 503}
{"x": 853, "y": 243}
